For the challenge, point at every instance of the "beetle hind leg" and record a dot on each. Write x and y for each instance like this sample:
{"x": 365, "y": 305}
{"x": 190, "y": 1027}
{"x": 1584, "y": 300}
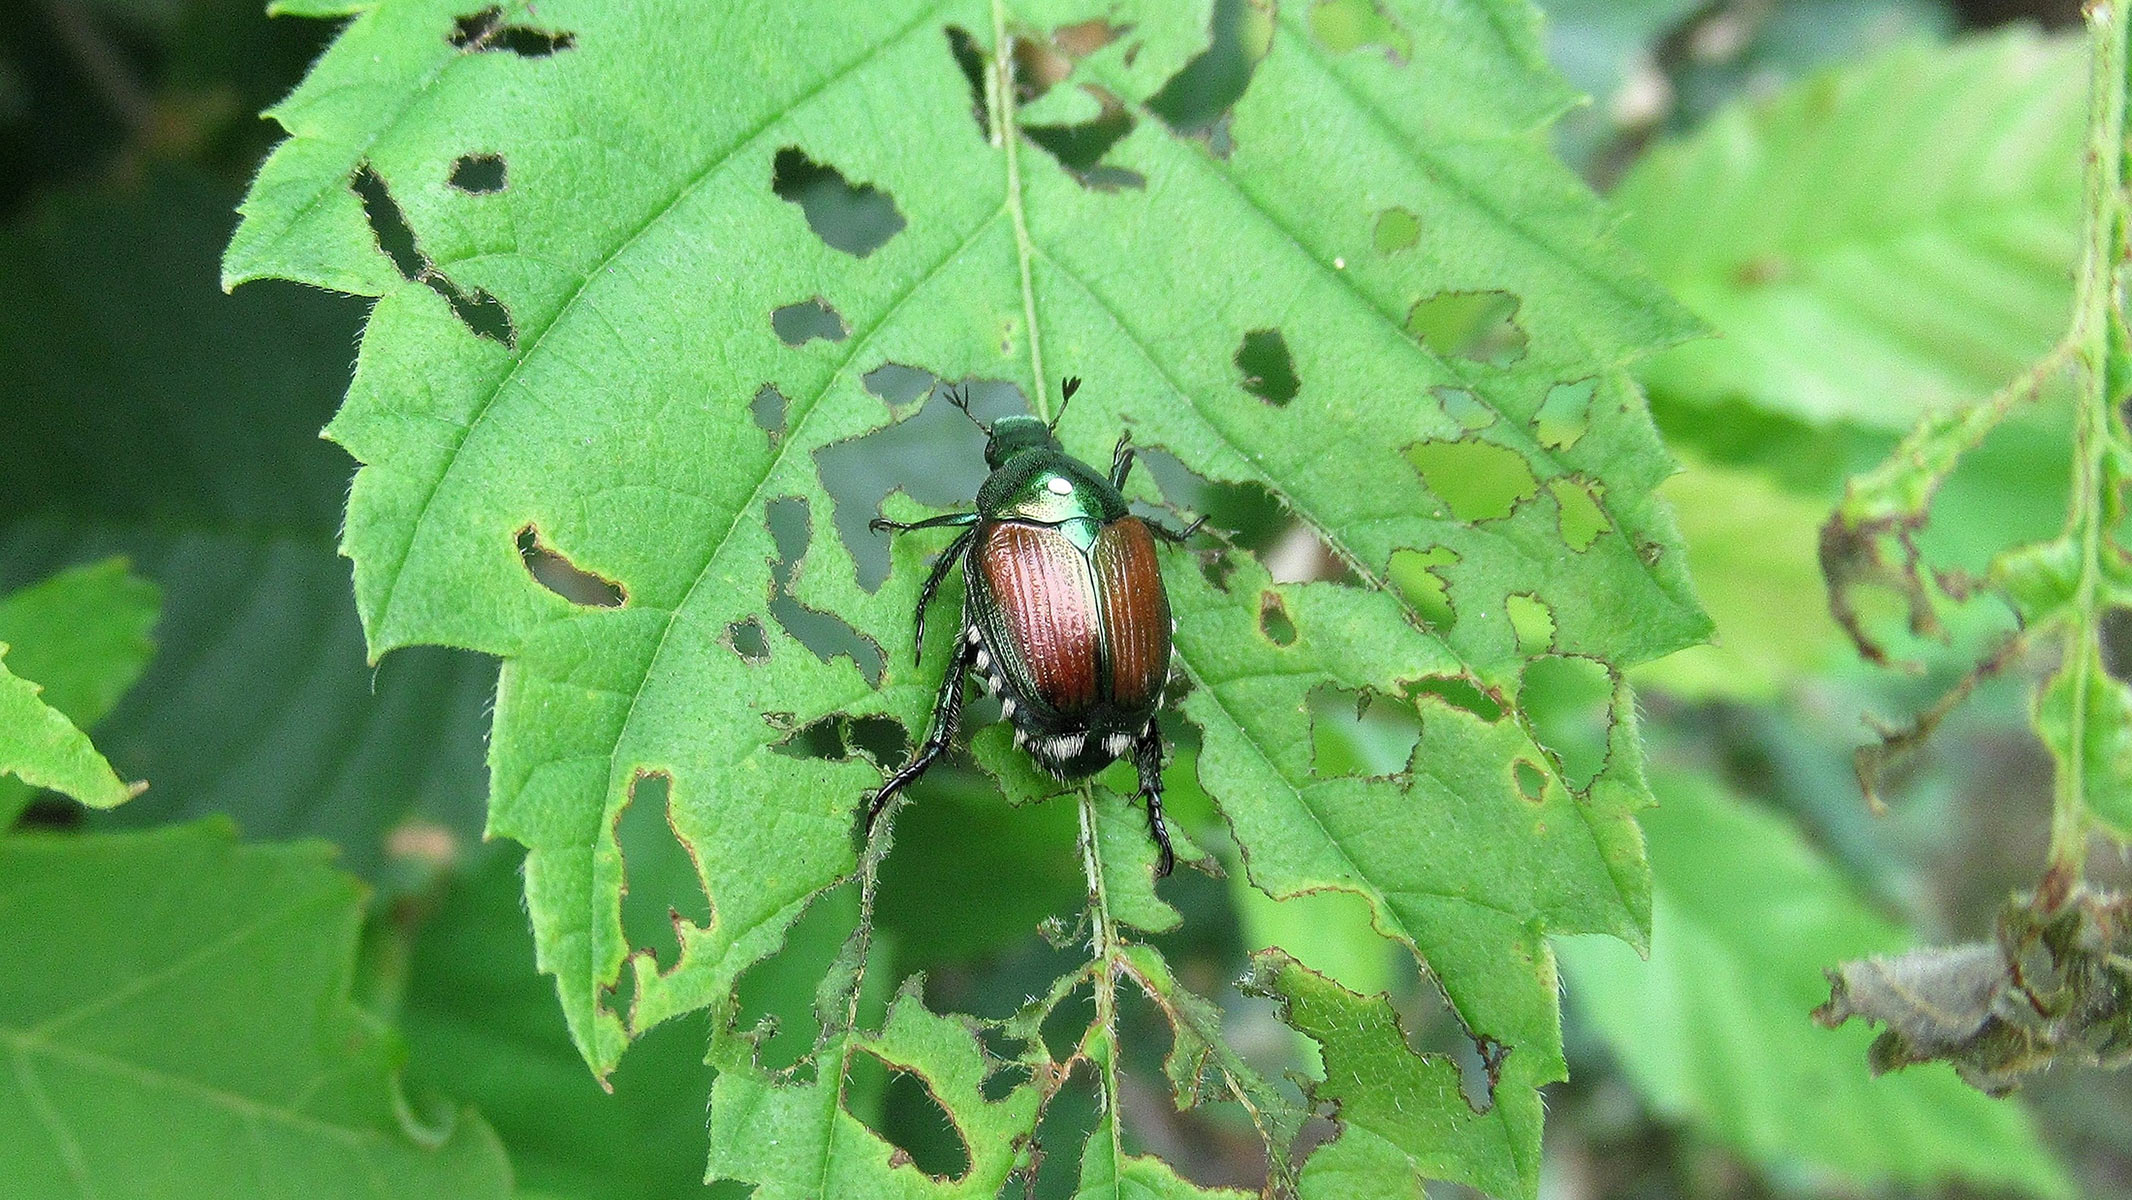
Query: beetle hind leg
{"x": 1147, "y": 759}
{"x": 947, "y": 717}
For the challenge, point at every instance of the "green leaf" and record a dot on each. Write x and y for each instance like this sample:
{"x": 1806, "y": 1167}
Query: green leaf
{"x": 2100, "y": 739}
{"x": 129, "y": 1076}
{"x": 1713, "y": 1028}
{"x": 82, "y": 635}
{"x": 179, "y": 427}
{"x": 74, "y": 644}
{"x": 798, "y": 1139}
{"x": 577, "y": 359}
{"x": 1878, "y": 242}
{"x": 1752, "y": 545}
{"x": 40, "y": 747}
{"x": 1403, "y": 1116}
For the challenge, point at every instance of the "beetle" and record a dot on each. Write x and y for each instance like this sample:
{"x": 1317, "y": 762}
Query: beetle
{"x": 1064, "y": 614}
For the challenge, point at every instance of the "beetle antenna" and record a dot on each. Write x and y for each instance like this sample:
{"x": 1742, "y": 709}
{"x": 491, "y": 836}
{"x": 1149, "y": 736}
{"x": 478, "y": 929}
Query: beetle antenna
{"x": 958, "y": 394}
{"x": 1067, "y": 388}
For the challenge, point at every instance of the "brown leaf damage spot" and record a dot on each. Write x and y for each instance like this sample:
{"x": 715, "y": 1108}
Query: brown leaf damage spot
{"x": 551, "y": 570}
{"x": 483, "y": 314}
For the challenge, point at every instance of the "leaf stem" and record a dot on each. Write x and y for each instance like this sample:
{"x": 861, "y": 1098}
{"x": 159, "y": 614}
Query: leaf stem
{"x": 2093, "y": 325}
{"x": 1001, "y": 87}
{"x": 1100, "y": 1044}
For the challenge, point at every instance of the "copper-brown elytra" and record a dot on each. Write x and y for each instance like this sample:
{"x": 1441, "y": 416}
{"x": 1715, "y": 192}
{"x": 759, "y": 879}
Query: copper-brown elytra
{"x": 1063, "y": 614}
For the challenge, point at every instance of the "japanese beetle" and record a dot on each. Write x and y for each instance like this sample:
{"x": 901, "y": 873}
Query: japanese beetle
{"x": 1063, "y": 614}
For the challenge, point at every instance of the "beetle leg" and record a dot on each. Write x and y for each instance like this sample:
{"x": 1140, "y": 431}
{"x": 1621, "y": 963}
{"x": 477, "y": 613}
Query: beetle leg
{"x": 1175, "y": 537}
{"x": 947, "y": 715}
{"x": 882, "y": 524}
{"x": 941, "y": 566}
{"x": 1147, "y": 759}
{"x": 1121, "y": 461}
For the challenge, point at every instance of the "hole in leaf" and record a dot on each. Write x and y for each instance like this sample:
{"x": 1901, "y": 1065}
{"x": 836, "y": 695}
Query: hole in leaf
{"x": 552, "y": 571}
{"x": 1570, "y": 704}
{"x": 1361, "y": 733}
{"x": 896, "y": 384}
{"x": 797, "y": 324}
{"x": 1464, "y": 407}
{"x": 1196, "y": 102}
{"x": 970, "y": 59}
{"x": 1532, "y": 622}
{"x": 1478, "y": 481}
{"x": 1080, "y": 148}
{"x": 482, "y": 314}
{"x": 1565, "y": 413}
{"x": 748, "y": 641}
{"x": 1418, "y": 575}
{"x": 1344, "y": 25}
{"x": 488, "y": 31}
{"x": 2116, "y": 637}
{"x": 791, "y": 527}
{"x": 1269, "y": 370}
{"x": 1481, "y": 326}
{"x": 389, "y": 225}
{"x": 936, "y": 456}
{"x": 1397, "y": 229}
{"x": 855, "y": 219}
{"x": 879, "y": 738}
{"x": 1273, "y": 619}
{"x": 768, "y": 408}
{"x": 1459, "y": 692}
{"x": 478, "y": 173}
{"x": 1583, "y": 518}
{"x": 661, "y": 884}
{"x": 822, "y": 738}
{"x": 911, "y": 1119}
{"x": 839, "y": 736}
{"x": 1065, "y": 1024}
{"x": 1531, "y": 780}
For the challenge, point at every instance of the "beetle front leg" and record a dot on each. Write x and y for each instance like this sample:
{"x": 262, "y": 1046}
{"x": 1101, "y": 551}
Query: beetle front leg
{"x": 947, "y": 716}
{"x": 884, "y": 525}
{"x": 1147, "y": 759}
{"x": 941, "y": 566}
{"x": 1121, "y": 461}
{"x": 1175, "y": 537}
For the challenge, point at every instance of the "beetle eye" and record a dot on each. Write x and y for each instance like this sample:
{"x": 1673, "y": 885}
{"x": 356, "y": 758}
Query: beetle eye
{"x": 1058, "y": 486}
